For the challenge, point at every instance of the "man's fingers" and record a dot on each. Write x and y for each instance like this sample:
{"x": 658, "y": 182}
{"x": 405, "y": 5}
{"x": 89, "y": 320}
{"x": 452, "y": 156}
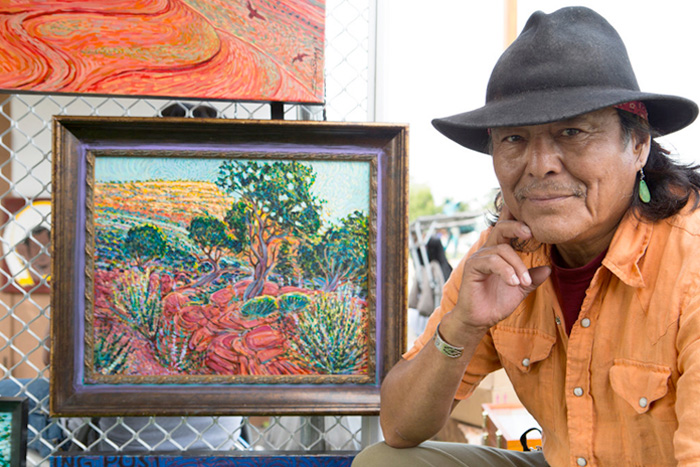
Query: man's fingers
{"x": 509, "y": 230}
{"x": 539, "y": 275}
{"x": 505, "y": 231}
{"x": 504, "y": 262}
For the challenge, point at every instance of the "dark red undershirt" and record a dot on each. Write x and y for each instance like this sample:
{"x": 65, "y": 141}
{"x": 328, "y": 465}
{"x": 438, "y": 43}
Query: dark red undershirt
{"x": 571, "y": 285}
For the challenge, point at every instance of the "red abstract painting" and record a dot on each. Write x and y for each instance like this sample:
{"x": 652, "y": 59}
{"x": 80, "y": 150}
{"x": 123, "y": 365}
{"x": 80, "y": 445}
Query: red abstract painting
{"x": 249, "y": 50}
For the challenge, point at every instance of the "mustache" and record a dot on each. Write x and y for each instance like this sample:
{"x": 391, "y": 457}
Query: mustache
{"x": 553, "y": 188}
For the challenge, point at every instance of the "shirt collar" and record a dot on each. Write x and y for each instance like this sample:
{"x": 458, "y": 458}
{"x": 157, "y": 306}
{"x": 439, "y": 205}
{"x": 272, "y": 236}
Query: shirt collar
{"x": 627, "y": 248}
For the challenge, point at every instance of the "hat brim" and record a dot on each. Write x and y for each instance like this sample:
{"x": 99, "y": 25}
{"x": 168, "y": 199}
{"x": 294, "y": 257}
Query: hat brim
{"x": 470, "y": 129}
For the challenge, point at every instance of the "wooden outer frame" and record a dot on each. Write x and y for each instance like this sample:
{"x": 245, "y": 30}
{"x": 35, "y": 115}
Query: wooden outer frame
{"x": 18, "y": 407}
{"x": 76, "y": 137}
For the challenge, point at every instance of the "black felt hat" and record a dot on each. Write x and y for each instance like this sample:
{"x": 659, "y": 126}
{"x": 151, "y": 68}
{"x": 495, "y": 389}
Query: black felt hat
{"x": 562, "y": 65}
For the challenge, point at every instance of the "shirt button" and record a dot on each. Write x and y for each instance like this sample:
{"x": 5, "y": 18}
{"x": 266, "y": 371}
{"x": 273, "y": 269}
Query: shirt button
{"x": 585, "y": 322}
{"x": 643, "y": 402}
{"x": 557, "y": 320}
{"x": 578, "y": 392}
{"x": 526, "y": 362}
{"x": 581, "y": 461}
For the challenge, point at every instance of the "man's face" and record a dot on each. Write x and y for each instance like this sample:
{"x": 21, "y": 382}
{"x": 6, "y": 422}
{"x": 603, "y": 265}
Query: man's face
{"x": 570, "y": 181}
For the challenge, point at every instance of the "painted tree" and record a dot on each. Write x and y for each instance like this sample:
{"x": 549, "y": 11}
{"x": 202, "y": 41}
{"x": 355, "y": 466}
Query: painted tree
{"x": 286, "y": 264}
{"x": 213, "y": 239}
{"x": 274, "y": 203}
{"x": 340, "y": 254}
{"x": 144, "y": 243}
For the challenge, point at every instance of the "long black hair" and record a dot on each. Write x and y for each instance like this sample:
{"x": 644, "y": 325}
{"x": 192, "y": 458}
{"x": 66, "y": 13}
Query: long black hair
{"x": 671, "y": 183}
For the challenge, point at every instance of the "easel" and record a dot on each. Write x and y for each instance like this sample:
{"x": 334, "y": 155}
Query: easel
{"x": 277, "y": 110}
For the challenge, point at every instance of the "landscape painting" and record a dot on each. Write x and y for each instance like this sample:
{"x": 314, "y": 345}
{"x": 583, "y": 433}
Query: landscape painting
{"x": 238, "y": 267}
{"x": 226, "y": 267}
{"x": 250, "y": 50}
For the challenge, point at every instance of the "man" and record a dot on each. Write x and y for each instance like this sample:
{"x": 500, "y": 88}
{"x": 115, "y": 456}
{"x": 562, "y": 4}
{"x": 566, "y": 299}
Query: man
{"x": 586, "y": 290}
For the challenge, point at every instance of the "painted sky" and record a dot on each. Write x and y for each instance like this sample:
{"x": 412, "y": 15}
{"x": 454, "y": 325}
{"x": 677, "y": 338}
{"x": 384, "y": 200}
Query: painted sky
{"x": 343, "y": 184}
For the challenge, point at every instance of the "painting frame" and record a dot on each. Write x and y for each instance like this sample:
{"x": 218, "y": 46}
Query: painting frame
{"x": 79, "y": 390}
{"x": 17, "y": 408}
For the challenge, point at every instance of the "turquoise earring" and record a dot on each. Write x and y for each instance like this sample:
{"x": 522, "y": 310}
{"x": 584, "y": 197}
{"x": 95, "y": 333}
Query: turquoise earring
{"x": 644, "y": 193}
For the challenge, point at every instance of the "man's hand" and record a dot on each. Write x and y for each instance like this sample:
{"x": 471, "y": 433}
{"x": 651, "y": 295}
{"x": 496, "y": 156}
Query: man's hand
{"x": 495, "y": 279}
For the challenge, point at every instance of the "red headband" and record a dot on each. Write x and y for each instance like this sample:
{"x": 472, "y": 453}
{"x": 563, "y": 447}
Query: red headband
{"x": 635, "y": 107}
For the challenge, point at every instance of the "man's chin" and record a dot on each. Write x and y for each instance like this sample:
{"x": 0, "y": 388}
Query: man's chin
{"x": 550, "y": 236}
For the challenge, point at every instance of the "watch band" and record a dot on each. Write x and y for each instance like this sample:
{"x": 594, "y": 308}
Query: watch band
{"x": 445, "y": 348}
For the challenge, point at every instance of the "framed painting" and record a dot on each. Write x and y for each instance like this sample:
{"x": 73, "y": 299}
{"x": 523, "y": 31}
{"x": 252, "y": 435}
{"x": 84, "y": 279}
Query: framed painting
{"x": 253, "y": 50}
{"x": 26, "y": 248}
{"x": 258, "y": 266}
{"x": 13, "y": 431}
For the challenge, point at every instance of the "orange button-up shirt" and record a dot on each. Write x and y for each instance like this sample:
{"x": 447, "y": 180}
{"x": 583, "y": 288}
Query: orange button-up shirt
{"x": 624, "y": 387}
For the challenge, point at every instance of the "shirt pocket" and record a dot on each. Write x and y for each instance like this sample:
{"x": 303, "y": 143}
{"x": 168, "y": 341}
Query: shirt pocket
{"x": 527, "y": 357}
{"x": 522, "y": 348}
{"x": 638, "y": 383}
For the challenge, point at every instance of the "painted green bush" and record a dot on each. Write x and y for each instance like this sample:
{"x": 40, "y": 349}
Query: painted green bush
{"x": 293, "y": 302}
{"x": 329, "y": 335}
{"x": 259, "y": 307}
{"x": 111, "y": 353}
{"x": 138, "y": 302}
{"x": 145, "y": 243}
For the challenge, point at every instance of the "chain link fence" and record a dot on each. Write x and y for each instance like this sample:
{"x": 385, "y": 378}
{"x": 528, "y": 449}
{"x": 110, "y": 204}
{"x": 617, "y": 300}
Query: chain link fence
{"x": 25, "y": 192}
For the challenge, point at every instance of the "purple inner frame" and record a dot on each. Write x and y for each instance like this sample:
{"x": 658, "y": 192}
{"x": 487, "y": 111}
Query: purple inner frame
{"x": 80, "y": 260}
